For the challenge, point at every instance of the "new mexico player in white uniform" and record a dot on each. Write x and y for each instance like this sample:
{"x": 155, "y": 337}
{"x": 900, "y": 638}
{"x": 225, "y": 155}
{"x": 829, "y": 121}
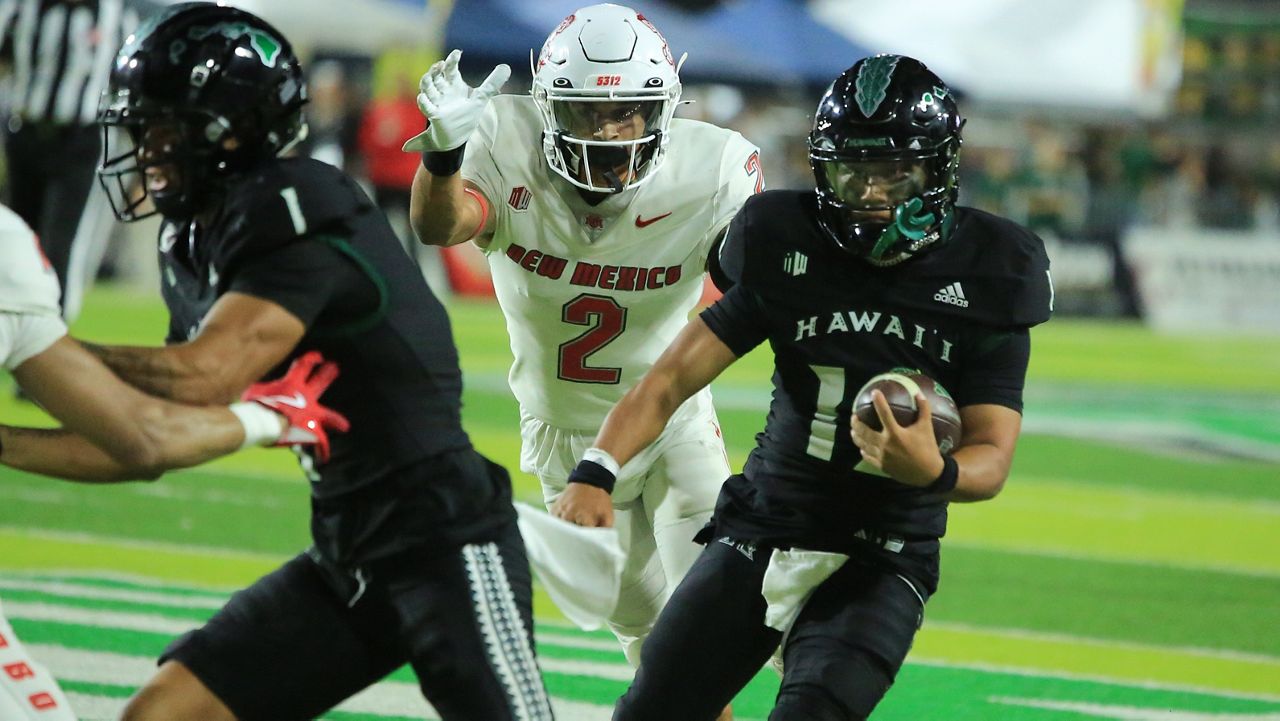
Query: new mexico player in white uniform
{"x": 30, "y": 322}
{"x": 596, "y": 210}
{"x": 126, "y": 434}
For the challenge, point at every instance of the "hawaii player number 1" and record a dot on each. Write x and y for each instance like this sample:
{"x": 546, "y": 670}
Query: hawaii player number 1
{"x": 605, "y": 321}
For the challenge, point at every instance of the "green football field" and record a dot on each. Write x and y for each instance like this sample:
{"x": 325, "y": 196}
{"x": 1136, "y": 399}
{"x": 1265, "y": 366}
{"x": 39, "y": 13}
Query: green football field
{"x": 1130, "y": 570}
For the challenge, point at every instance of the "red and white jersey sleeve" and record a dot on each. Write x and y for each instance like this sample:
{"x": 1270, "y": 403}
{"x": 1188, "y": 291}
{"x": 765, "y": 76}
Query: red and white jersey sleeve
{"x": 30, "y": 319}
{"x": 593, "y": 294}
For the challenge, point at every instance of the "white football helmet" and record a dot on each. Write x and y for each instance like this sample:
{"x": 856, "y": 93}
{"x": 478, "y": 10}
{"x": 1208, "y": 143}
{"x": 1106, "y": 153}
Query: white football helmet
{"x": 604, "y": 65}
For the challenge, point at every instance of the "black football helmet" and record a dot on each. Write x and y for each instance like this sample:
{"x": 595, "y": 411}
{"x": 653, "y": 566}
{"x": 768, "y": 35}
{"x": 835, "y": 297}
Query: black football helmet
{"x": 884, "y": 149}
{"x": 219, "y": 87}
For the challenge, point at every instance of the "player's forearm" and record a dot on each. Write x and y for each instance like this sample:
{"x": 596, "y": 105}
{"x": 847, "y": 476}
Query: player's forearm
{"x": 167, "y": 372}
{"x": 183, "y": 436}
{"x": 161, "y": 437}
{"x": 436, "y": 209}
{"x": 638, "y": 419}
{"x": 63, "y": 454}
{"x": 983, "y": 471}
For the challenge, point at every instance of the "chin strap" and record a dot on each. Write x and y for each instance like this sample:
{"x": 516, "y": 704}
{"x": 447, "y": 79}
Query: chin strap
{"x": 615, "y": 183}
{"x": 908, "y": 223}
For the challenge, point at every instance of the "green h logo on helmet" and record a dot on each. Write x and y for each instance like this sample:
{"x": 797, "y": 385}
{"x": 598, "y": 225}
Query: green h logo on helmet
{"x": 267, "y": 47}
{"x": 872, "y": 85}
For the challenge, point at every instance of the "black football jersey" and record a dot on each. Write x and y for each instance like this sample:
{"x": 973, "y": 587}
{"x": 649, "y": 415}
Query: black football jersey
{"x": 302, "y": 234}
{"x": 959, "y": 314}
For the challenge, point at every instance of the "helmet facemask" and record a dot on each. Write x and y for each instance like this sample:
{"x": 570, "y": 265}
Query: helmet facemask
{"x": 886, "y": 208}
{"x": 606, "y": 87}
{"x": 156, "y": 156}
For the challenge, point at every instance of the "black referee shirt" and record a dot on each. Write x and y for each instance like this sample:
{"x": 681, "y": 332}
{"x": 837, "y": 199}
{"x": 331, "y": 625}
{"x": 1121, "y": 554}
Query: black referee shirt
{"x": 60, "y": 53}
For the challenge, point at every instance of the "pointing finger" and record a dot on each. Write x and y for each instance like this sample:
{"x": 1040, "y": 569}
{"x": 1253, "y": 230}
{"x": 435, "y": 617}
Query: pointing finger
{"x": 493, "y": 84}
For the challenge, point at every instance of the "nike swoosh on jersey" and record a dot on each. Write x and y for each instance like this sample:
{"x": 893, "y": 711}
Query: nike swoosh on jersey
{"x": 641, "y": 222}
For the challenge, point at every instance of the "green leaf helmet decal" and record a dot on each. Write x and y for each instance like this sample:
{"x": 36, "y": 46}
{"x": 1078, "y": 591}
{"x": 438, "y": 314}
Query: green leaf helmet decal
{"x": 873, "y": 82}
{"x": 263, "y": 43}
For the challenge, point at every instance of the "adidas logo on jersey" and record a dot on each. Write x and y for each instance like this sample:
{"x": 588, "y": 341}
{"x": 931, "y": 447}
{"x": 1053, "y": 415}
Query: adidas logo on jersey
{"x": 795, "y": 263}
{"x": 952, "y": 294}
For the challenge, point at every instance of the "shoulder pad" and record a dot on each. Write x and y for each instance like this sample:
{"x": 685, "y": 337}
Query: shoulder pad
{"x": 282, "y": 201}
{"x": 1012, "y": 259}
{"x": 770, "y": 230}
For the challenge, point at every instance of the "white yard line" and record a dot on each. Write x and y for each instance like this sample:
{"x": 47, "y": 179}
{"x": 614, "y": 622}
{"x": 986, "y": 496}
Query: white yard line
{"x": 388, "y": 698}
{"x": 1048, "y": 637}
{"x": 98, "y": 593}
{"x": 915, "y": 660}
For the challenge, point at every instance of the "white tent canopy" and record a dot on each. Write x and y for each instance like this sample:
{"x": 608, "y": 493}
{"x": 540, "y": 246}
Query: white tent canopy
{"x": 1118, "y": 55}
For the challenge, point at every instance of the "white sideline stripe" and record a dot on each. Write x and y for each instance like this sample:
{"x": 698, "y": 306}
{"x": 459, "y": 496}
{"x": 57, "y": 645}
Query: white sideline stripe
{"x": 92, "y": 578}
{"x": 1092, "y": 678}
{"x": 160, "y": 624}
{"x": 586, "y": 644}
{"x": 1018, "y": 633}
{"x": 597, "y": 669}
{"x": 620, "y": 671}
{"x": 1071, "y": 555}
{"x": 147, "y": 622}
{"x": 208, "y": 496}
{"x": 1130, "y": 713}
{"x": 400, "y": 698}
{"x": 396, "y": 698}
{"x": 115, "y": 669}
{"x": 97, "y": 593}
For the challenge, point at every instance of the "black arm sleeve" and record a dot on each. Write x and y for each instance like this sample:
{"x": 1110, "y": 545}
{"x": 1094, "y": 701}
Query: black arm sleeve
{"x": 307, "y": 278}
{"x": 738, "y": 319}
{"x": 997, "y": 370}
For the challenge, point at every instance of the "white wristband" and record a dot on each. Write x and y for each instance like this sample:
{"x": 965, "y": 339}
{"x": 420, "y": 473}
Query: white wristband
{"x": 261, "y": 424}
{"x": 597, "y": 455}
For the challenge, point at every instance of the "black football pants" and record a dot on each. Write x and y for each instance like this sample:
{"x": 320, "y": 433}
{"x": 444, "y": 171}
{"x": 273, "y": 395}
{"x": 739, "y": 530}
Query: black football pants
{"x": 841, "y": 655}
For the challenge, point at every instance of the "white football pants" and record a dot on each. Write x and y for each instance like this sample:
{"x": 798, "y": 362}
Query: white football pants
{"x": 663, "y": 497}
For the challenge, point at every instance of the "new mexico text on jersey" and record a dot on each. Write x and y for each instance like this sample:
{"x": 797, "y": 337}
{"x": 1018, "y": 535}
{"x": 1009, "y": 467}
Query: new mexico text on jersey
{"x": 624, "y": 273}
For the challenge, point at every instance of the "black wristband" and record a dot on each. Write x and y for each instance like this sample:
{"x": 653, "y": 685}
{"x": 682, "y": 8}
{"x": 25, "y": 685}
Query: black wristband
{"x": 593, "y": 474}
{"x": 946, "y": 481}
{"x": 444, "y": 162}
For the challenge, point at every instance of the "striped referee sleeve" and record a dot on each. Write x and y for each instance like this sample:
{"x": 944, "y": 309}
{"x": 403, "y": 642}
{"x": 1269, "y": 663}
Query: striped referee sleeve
{"x": 61, "y": 54}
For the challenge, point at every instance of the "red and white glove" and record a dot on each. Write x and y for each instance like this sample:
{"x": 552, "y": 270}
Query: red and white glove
{"x": 295, "y": 396}
{"x": 452, "y": 107}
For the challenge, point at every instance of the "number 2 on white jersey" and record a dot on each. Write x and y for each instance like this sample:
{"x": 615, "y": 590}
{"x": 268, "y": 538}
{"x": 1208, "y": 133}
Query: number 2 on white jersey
{"x": 607, "y": 321}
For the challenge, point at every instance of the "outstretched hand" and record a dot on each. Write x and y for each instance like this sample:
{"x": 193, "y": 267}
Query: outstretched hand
{"x": 296, "y": 397}
{"x": 452, "y": 107}
{"x": 908, "y": 454}
{"x": 584, "y": 505}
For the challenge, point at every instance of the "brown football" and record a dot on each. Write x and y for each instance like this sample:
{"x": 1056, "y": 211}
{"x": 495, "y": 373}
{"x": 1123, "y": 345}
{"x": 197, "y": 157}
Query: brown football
{"x": 899, "y": 387}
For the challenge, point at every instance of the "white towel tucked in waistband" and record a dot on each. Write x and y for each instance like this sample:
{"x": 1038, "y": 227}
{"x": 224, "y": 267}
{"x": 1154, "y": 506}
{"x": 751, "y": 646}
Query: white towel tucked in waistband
{"x": 790, "y": 580}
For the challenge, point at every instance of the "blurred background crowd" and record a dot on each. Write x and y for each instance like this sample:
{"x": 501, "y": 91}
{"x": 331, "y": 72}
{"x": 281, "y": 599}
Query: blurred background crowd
{"x": 1138, "y": 137}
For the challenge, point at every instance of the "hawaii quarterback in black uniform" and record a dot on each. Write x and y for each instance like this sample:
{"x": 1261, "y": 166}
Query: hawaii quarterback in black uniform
{"x": 416, "y": 558}
{"x": 828, "y": 541}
